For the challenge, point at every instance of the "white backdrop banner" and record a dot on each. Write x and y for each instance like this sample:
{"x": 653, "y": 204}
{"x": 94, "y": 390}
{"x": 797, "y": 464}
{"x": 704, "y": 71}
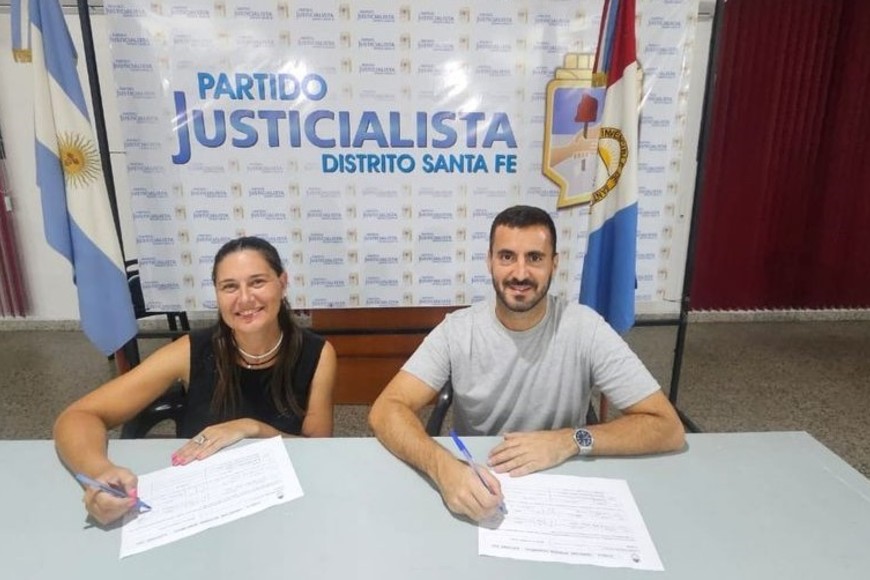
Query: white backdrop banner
{"x": 373, "y": 141}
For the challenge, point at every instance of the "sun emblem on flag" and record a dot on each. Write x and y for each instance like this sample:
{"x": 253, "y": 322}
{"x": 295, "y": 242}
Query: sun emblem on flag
{"x": 613, "y": 153}
{"x": 79, "y": 158}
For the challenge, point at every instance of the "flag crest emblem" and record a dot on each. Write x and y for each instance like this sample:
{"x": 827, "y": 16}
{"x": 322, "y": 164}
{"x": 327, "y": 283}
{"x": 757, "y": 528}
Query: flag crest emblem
{"x": 79, "y": 159}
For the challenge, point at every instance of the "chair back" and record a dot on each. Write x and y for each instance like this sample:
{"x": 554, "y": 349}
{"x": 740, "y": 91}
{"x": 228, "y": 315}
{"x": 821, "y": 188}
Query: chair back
{"x": 445, "y": 398}
{"x": 439, "y": 411}
{"x": 171, "y": 405}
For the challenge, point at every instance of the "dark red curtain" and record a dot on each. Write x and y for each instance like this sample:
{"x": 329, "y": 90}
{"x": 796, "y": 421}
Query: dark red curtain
{"x": 785, "y": 200}
{"x": 13, "y": 298}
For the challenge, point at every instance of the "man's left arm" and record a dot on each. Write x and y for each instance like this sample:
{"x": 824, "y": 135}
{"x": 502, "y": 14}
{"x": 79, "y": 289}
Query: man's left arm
{"x": 649, "y": 426}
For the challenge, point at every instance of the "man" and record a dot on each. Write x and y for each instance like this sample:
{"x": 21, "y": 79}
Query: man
{"x": 524, "y": 368}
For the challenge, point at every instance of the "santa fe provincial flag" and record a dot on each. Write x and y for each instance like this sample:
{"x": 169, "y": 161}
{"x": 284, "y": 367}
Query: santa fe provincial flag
{"x": 609, "y": 268}
{"x": 75, "y": 204}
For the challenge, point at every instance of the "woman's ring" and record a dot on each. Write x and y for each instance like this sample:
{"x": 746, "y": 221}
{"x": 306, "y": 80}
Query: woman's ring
{"x": 200, "y": 439}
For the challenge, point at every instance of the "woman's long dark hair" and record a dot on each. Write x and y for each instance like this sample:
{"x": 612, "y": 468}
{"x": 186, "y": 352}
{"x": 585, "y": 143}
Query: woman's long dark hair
{"x": 227, "y": 391}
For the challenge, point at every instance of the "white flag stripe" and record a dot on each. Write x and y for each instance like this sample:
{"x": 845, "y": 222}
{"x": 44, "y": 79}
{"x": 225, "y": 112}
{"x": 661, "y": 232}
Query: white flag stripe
{"x": 88, "y": 211}
{"x": 58, "y": 115}
{"x": 620, "y": 104}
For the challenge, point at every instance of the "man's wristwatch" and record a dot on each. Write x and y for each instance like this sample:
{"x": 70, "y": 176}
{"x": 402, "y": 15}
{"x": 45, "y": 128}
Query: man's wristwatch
{"x": 584, "y": 441}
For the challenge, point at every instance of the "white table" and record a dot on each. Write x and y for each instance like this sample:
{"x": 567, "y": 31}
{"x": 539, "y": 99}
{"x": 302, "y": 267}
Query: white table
{"x": 735, "y": 506}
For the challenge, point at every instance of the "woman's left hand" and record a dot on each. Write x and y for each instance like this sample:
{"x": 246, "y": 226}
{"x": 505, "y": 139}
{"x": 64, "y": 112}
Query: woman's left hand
{"x": 214, "y": 438}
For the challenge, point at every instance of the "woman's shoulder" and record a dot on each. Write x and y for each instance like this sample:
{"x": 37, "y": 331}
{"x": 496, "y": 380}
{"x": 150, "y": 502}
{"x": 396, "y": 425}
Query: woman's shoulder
{"x": 311, "y": 340}
{"x": 201, "y": 341}
{"x": 204, "y": 333}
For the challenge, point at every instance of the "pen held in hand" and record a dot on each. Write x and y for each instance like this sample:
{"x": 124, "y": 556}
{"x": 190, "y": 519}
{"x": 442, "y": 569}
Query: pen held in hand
{"x": 467, "y": 454}
{"x": 113, "y": 491}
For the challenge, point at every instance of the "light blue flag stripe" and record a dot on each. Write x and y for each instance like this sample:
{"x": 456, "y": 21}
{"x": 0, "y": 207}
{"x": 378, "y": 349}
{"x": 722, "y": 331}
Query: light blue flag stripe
{"x": 107, "y": 317}
{"x": 55, "y": 219}
{"x": 60, "y": 52}
{"x": 609, "y": 269}
{"x": 105, "y": 306}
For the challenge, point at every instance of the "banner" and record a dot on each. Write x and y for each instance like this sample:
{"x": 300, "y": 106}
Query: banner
{"x": 372, "y": 142}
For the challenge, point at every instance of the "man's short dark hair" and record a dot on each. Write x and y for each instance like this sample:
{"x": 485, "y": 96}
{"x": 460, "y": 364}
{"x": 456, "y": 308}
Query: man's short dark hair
{"x": 524, "y": 216}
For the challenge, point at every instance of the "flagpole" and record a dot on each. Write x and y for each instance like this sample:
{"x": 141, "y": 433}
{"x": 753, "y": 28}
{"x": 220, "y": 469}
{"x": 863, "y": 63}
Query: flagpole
{"x": 99, "y": 116}
{"x": 703, "y": 140}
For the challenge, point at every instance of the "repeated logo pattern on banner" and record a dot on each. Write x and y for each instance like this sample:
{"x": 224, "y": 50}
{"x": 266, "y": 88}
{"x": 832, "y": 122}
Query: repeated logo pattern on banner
{"x": 372, "y": 141}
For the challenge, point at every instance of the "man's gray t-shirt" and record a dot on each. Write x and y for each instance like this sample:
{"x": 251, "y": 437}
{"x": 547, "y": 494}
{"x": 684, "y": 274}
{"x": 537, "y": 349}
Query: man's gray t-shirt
{"x": 537, "y": 379}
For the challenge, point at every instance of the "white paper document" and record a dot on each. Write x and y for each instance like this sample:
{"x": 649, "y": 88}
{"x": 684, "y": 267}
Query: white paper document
{"x": 231, "y": 484}
{"x": 564, "y": 518}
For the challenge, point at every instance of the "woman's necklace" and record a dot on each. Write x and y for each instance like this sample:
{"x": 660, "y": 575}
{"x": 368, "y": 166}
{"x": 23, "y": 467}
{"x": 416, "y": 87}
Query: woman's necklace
{"x": 260, "y": 359}
{"x": 250, "y": 365}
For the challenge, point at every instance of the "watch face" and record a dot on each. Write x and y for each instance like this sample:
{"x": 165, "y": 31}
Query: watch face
{"x": 583, "y": 438}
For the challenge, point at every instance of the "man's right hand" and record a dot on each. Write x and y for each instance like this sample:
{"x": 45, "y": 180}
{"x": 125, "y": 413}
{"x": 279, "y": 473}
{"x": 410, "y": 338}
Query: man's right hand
{"x": 463, "y": 492}
{"x": 106, "y": 508}
{"x": 395, "y": 421}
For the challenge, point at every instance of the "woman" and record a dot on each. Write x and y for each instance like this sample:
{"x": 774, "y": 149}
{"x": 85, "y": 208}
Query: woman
{"x": 254, "y": 374}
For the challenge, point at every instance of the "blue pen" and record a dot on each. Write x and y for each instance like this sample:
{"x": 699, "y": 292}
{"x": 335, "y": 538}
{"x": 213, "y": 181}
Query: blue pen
{"x": 114, "y": 491}
{"x": 467, "y": 454}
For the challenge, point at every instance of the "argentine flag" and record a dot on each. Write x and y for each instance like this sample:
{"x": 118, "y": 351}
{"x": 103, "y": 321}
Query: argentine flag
{"x": 75, "y": 203}
{"x": 609, "y": 267}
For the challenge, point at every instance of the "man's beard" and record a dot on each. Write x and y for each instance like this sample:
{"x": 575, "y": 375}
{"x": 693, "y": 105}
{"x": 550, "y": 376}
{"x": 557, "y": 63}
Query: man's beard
{"x": 518, "y": 306}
